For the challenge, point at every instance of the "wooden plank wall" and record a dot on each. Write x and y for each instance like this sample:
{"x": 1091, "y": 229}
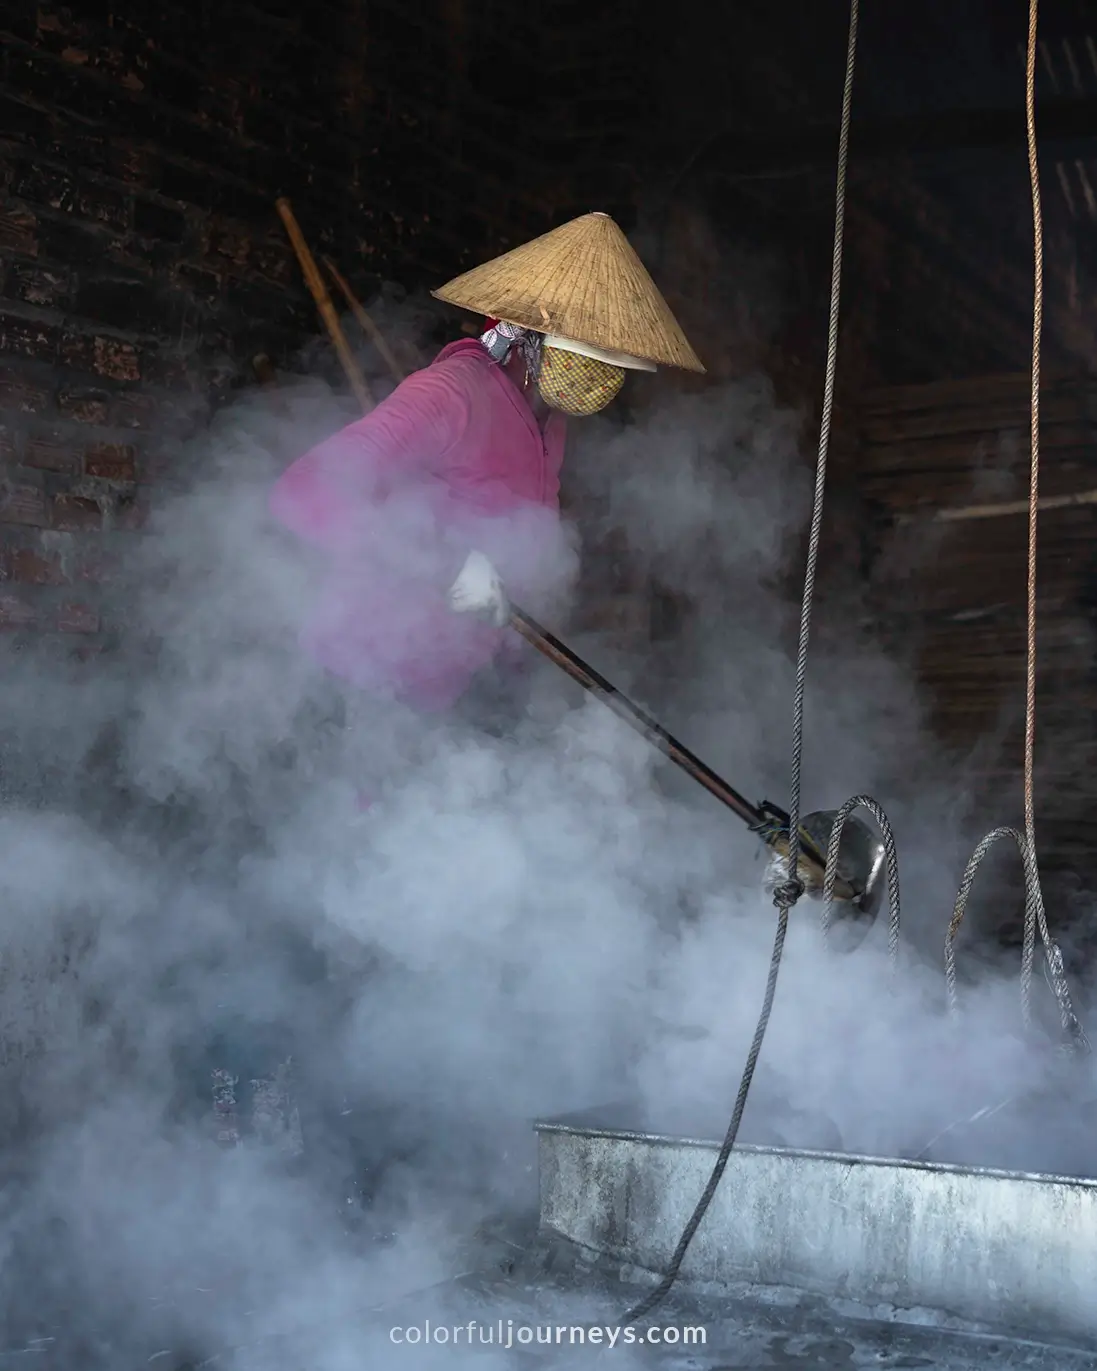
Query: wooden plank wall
{"x": 953, "y": 594}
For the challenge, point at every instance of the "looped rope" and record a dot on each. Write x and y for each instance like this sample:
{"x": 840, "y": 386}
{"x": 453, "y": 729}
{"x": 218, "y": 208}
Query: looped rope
{"x": 891, "y": 859}
{"x": 1035, "y": 920}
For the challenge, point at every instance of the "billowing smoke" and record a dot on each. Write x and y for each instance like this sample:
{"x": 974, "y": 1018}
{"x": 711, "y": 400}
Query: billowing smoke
{"x": 531, "y": 916}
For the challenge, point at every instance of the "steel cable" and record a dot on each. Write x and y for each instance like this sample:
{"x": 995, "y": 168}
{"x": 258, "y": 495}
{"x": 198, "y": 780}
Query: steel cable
{"x": 788, "y": 891}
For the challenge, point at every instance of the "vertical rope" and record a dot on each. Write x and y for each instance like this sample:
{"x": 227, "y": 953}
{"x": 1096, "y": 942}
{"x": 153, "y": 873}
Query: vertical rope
{"x": 789, "y": 890}
{"x": 1035, "y": 913}
{"x": 1034, "y": 466}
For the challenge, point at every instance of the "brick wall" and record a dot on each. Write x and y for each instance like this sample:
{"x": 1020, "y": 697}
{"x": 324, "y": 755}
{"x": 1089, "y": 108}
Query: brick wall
{"x": 142, "y": 265}
{"x": 139, "y": 264}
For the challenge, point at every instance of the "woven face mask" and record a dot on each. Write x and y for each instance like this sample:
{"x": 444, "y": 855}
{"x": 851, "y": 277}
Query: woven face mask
{"x": 577, "y": 385}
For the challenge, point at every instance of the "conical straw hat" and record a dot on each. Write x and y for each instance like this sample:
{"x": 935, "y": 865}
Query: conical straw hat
{"x": 584, "y": 282}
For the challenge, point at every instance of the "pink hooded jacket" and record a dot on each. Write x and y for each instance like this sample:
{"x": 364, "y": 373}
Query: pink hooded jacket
{"x": 453, "y": 460}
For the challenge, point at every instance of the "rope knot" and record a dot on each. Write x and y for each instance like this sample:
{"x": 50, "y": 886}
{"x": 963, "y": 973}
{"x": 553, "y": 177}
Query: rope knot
{"x": 788, "y": 893}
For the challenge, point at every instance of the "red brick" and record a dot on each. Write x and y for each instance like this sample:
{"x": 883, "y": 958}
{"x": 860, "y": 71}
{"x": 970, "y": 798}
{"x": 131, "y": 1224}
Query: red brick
{"x": 78, "y": 618}
{"x": 27, "y": 338}
{"x": 111, "y": 462}
{"x": 76, "y": 513}
{"x": 103, "y": 205}
{"x": 84, "y": 405}
{"x": 113, "y": 358}
{"x": 15, "y": 613}
{"x": 50, "y": 452}
{"x": 23, "y": 503}
{"x": 19, "y": 230}
{"x": 36, "y": 286}
{"x": 20, "y": 393}
{"x": 32, "y": 569}
{"x": 75, "y": 350}
{"x": 45, "y": 186}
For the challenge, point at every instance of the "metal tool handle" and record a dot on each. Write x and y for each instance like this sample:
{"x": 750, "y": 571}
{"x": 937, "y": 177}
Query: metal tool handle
{"x": 767, "y": 820}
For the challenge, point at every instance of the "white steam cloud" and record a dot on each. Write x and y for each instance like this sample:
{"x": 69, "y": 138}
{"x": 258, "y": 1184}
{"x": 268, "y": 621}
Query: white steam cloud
{"x": 522, "y": 924}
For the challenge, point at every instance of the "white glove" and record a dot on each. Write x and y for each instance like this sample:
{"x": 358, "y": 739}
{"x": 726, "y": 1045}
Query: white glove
{"x": 478, "y": 590}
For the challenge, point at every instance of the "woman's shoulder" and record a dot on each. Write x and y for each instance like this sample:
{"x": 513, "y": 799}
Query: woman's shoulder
{"x": 464, "y": 352}
{"x": 459, "y": 368}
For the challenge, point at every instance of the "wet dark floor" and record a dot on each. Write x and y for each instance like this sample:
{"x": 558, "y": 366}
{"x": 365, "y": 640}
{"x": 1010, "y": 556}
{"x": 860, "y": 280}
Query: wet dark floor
{"x": 534, "y": 1309}
{"x": 530, "y": 1302}
{"x": 744, "y": 1330}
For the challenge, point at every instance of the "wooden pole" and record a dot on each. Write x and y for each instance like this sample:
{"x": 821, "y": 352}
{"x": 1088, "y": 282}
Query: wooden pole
{"x": 962, "y": 513}
{"x": 315, "y": 283}
{"x": 366, "y": 324}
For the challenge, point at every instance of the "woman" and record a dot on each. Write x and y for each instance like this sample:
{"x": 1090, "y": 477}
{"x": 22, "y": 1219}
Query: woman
{"x": 451, "y": 485}
{"x": 463, "y": 460}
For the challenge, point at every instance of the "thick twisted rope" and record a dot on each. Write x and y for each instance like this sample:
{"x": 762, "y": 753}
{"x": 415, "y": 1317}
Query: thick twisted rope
{"x": 1034, "y": 465}
{"x": 1035, "y": 920}
{"x": 789, "y": 891}
{"x": 891, "y": 860}
{"x": 663, "y": 1289}
{"x": 1035, "y": 914}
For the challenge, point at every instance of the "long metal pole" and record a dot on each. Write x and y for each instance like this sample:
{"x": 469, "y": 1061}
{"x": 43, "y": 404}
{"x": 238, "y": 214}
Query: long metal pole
{"x": 551, "y": 647}
{"x": 766, "y": 820}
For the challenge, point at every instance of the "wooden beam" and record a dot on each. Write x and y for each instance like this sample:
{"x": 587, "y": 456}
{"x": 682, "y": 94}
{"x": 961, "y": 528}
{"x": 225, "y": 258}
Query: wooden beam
{"x": 964, "y": 513}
